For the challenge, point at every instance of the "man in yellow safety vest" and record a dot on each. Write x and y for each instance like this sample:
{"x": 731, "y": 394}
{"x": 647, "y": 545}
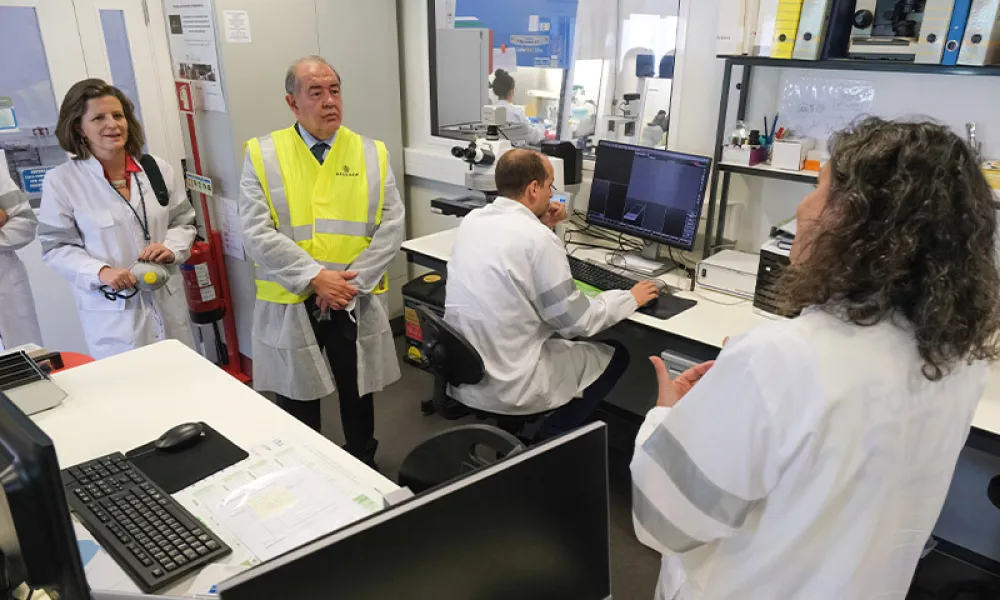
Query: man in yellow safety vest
{"x": 322, "y": 221}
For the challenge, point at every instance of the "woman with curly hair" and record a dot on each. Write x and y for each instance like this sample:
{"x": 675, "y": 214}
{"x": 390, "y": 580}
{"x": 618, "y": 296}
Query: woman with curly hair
{"x": 812, "y": 459}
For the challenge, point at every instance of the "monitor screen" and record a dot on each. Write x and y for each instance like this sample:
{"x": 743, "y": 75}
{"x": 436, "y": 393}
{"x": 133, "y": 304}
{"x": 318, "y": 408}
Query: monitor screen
{"x": 652, "y": 194}
{"x": 36, "y": 535}
{"x": 534, "y": 525}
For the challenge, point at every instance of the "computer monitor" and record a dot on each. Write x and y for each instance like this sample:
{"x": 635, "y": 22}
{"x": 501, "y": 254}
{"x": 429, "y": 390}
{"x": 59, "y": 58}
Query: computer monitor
{"x": 534, "y": 525}
{"x": 652, "y": 194}
{"x": 36, "y": 536}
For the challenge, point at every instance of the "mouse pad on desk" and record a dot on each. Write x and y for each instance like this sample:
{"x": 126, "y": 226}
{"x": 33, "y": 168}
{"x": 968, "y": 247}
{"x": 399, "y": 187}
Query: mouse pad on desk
{"x": 174, "y": 471}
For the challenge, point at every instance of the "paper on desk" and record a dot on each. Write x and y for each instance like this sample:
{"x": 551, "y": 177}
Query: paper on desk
{"x": 282, "y": 510}
{"x": 284, "y": 495}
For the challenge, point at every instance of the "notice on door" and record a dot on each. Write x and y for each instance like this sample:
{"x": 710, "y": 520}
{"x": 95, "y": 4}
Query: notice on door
{"x": 193, "y": 53}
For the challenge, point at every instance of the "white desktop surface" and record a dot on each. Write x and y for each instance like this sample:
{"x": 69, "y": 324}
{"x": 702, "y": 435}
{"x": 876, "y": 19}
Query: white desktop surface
{"x": 714, "y": 318}
{"x": 121, "y": 402}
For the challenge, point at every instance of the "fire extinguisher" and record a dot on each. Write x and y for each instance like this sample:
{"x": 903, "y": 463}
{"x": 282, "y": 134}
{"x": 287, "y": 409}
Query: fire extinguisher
{"x": 200, "y": 274}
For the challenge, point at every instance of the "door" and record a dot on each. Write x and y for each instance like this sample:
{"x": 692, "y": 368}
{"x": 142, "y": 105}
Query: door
{"x": 123, "y": 45}
{"x": 47, "y": 46}
{"x": 48, "y": 61}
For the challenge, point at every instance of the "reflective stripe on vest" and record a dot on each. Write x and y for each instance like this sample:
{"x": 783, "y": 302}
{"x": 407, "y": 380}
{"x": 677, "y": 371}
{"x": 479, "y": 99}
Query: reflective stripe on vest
{"x": 332, "y": 242}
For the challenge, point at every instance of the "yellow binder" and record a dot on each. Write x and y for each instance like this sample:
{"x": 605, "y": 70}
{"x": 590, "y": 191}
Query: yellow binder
{"x": 786, "y": 27}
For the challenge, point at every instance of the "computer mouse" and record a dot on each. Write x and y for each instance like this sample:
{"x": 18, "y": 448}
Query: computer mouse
{"x": 661, "y": 286}
{"x": 180, "y": 437}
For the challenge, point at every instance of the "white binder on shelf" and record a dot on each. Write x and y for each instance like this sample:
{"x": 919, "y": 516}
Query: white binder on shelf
{"x": 729, "y": 37}
{"x": 750, "y": 10}
{"x": 934, "y": 31}
{"x": 812, "y": 29}
{"x": 981, "y": 44}
{"x": 767, "y": 15}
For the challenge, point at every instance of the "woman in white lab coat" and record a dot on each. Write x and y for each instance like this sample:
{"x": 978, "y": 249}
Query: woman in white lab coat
{"x": 519, "y": 126}
{"x": 813, "y": 458}
{"x": 100, "y": 216}
{"x": 18, "y": 320}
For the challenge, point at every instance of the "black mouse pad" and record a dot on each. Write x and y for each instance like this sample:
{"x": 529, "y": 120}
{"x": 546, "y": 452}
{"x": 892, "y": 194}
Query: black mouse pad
{"x": 174, "y": 471}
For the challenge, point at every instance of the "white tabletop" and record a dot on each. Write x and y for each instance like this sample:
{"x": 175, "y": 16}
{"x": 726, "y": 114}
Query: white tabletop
{"x": 121, "y": 402}
{"x": 714, "y": 318}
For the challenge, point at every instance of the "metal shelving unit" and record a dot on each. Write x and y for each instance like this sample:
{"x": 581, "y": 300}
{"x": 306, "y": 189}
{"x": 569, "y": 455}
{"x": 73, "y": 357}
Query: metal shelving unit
{"x": 718, "y": 199}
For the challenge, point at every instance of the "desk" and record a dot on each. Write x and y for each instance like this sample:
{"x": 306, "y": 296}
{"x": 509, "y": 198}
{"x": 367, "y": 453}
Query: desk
{"x": 695, "y": 331}
{"x": 124, "y": 401}
{"x": 715, "y": 317}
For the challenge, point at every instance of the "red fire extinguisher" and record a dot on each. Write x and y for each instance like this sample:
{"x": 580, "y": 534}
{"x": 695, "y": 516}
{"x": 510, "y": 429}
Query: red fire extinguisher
{"x": 203, "y": 297}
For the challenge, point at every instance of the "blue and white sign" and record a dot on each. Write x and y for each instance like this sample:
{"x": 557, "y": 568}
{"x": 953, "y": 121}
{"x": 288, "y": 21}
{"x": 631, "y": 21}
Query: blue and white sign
{"x": 31, "y": 178}
{"x": 541, "y": 31}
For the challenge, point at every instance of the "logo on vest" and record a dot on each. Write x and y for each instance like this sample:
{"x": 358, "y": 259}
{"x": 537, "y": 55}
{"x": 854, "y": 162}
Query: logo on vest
{"x": 346, "y": 172}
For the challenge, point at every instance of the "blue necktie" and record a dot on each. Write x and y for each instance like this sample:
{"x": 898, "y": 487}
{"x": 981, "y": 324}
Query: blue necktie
{"x": 319, "y": 150}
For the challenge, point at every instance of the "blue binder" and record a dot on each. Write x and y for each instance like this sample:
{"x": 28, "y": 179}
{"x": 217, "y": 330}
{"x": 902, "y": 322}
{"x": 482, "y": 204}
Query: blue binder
{"x": 956, "y": 32}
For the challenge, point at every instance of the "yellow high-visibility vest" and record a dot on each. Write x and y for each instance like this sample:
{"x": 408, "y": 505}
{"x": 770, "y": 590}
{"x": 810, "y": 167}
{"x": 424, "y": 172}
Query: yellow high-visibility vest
{"x": 331, "y": 210}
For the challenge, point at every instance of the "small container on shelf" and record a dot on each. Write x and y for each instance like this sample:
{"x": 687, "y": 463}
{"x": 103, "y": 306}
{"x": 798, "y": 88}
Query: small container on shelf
{"x": 790, "y": 154}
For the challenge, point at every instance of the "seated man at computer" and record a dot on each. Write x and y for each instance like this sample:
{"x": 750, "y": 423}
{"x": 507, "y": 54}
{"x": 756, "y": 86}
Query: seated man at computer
{"x": 510, "y": 292}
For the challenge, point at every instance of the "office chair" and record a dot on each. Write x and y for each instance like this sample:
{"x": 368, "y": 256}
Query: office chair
{"x": 453, "y": 360}
{"x": 453, "y": 453}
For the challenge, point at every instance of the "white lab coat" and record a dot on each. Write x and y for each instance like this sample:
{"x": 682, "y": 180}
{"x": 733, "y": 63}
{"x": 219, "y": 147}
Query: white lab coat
{"x": 810, "y": 463}
{"x": 509, "y": 292}
{"x": 287, "y": 358}
{"x": 84, "y": 224}
{"x": 18, "y": 320}
{"x": 519, "y": 126}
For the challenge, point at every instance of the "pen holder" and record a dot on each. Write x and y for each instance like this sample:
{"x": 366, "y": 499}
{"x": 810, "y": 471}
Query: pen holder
{"x": 759, "y": 155}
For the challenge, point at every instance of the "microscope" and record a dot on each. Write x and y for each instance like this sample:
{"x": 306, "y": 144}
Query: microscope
{"x": 482, "y": 154}
{"x": 903, "y": 30}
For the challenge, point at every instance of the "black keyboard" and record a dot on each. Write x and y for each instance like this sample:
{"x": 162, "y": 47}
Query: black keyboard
{"x": 598, "y": 276}
{"x": 664, "y": 307}
{"x": 148, "y": 533}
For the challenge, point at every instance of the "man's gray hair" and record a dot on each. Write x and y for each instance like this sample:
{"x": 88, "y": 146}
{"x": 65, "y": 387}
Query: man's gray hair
{"x": 291, "y": 79}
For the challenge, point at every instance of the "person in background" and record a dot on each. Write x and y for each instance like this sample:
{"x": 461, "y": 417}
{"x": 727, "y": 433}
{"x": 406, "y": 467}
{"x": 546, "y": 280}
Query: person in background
{"x": 519, "y": 126}
{"x": 813, "y": 458}
{"x": 510, "y": 293}
{"x": 18, "y": 320}
{"x": 323, "y": 220}
{"x": 100, "y": 215}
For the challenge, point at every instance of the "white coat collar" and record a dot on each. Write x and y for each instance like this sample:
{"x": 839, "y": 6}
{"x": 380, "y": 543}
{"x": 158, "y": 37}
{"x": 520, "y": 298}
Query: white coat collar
{"x": 506, "y": 204}
{"x": 93, "y": 165}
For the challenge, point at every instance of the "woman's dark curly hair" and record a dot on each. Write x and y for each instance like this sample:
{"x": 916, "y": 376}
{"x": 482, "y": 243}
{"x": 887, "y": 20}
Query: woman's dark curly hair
{"x": 908, "y": 230}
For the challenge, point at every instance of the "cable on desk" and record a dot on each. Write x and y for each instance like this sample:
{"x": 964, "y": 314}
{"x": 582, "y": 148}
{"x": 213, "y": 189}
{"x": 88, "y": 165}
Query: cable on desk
{"x": 713, "y": 301}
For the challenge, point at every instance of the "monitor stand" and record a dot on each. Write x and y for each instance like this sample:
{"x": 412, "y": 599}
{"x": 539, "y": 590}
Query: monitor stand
{"x": 647, "y": 262}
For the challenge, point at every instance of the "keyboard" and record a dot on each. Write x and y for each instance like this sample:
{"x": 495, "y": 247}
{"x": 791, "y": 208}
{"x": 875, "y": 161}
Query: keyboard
{"x": 148, "y": 533}
{"x": 598, "y": 276}
{"x": 664, "y": 307}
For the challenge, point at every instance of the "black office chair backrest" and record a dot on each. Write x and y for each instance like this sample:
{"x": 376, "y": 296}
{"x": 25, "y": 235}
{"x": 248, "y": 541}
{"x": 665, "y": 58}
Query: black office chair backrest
{"x": 448, "y": 353}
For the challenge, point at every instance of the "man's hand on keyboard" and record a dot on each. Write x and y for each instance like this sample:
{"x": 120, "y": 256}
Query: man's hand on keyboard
{"x": 645, "y": 292}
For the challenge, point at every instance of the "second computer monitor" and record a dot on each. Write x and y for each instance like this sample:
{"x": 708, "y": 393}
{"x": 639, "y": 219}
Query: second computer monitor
{"x": 652, "y": 194}
{"x": 533, "y": 526}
